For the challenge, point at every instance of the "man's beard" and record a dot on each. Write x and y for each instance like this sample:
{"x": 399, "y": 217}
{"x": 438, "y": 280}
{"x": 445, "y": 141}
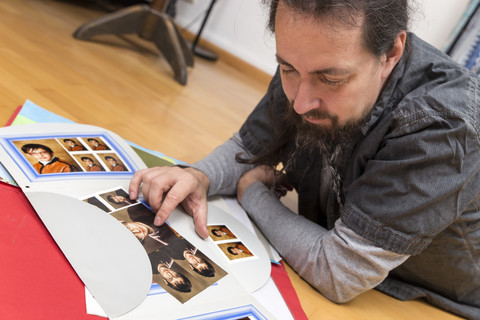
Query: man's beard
{"x": 334, "y": 139}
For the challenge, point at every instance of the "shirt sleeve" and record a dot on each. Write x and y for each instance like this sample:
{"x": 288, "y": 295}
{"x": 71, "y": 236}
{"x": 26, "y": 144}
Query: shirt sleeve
{"x": 339, "y": 263}
{"x": 222, "y": 169}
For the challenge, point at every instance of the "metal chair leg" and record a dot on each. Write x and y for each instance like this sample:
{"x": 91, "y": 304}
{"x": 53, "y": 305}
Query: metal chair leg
{"x": 166, "y": 39}
{"x": 149, "y": 24}
{"x": 128, "y": 20}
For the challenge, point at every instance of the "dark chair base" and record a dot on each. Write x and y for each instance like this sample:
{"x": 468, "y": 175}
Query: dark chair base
{"x": 149, "y": 24}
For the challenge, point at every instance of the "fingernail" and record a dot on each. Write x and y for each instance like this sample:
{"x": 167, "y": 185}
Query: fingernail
{"x": 158, "y": 221}
{"x": 132, "y": 195}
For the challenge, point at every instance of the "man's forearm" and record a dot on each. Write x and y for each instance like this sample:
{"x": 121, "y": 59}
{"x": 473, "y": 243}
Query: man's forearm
{"x": 222, "y": 169}
{"x": 338, "y": 262}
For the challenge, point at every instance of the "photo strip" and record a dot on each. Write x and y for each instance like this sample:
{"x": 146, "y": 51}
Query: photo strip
{"x": 232, "y": 248}
{"x": 178, "y": 267}
{"x": 69, "y": 155}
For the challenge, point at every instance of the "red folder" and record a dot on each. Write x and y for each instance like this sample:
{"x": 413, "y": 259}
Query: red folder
{"x": 14, "y": 115}
{"x": 36, "y": 280}
{"x": 284, "y": 285}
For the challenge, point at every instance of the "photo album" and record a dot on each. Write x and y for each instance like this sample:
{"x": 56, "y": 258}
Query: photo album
{"x": 77, "y": 176}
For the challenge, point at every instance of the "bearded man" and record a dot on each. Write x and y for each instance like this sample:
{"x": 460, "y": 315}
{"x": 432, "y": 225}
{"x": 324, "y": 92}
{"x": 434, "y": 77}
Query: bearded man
{"x": 378, "y": 132}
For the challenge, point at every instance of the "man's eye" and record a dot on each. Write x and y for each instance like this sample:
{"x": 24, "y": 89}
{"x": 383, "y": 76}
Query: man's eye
{"x": 287, "y": 71}
{"x": 334, "y": 82}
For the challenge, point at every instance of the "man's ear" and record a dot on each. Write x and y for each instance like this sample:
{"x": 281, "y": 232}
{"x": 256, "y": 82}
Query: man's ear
{"x": 393, "y": 56}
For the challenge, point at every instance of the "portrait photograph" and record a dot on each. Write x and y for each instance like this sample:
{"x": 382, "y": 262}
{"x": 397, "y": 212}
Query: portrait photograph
{"x": 72, "y": 144}
{"x": 235, "y": 250}
{"x": 220, "y": 233}
{"x": 113, "y": 162}
{"x": 139, "y": 220}
{"x": 89, "y": 162}
{"x": 47, "y": 156}
{"x": 173, "y": 278}
{"x": 117, "y": 198}
{"x": 96, "y": 143}
{"x": 200, "y": 265}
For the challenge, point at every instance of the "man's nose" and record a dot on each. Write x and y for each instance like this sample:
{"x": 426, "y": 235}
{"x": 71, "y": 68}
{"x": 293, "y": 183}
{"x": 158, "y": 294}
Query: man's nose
{"x": 307, "y": 97}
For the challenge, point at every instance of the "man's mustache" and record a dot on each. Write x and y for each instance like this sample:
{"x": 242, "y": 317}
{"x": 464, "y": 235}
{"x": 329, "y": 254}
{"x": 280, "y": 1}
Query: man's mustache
{"x": 319, "y": 114}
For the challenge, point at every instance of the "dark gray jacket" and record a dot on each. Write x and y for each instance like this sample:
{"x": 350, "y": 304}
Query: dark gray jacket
{"x": 411, "y": 184}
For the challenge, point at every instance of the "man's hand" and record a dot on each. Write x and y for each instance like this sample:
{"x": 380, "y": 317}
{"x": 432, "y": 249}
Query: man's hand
{"x": 266, "y": 175}
{"x": 166, "y": 187}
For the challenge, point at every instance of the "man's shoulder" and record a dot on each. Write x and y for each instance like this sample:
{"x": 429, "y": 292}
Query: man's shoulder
{"x": 435, "y": 73}
{"x": 431, "y": 84}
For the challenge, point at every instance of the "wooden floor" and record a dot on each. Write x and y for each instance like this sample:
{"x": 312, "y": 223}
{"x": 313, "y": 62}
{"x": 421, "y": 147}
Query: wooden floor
{"x": 121, "y": 83}
{"x": 124, "y": 85}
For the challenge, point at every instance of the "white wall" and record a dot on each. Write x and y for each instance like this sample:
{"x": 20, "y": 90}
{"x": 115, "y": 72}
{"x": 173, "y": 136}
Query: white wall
{"x": 437, "y": 19}
{"x": 239, "y": 26}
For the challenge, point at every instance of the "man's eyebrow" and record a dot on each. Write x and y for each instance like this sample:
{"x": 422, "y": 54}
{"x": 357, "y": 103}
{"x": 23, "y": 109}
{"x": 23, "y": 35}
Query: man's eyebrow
{"x": 281, "y": 61}
{"x": 330, "y": 71}
{"x": 333, "y": 71}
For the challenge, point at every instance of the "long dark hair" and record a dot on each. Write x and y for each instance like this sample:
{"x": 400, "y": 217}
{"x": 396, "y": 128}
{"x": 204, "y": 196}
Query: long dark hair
{"x": 284, "y": 126}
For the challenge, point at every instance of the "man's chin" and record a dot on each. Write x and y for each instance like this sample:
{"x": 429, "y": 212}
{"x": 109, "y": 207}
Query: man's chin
{"x": 321, "y": 127}
{"x": 324, "y": 135}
